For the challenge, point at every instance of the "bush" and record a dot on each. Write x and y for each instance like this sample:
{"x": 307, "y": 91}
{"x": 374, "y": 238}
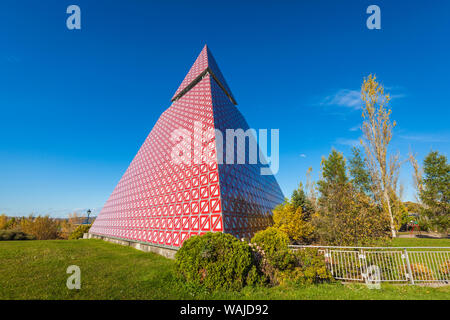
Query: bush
{"x": 41, "y": 227}
{"x": 293, "y": 222}
{"x": 217, "y": 260}
{"x": 310, "y": 268}
{"x": 280, "y": 265}
{"x": 274, "y": 244}
{"x": 79, "y": 231}
{"x": 271, "y": 253}
{"x": 14, "y": 235}
{"x": 255, "y": 277}
{"x": 68, "y": 226}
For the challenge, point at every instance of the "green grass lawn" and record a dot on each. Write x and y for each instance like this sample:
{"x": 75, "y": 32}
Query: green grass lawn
{"x": 420, "y": 242}
{"x": 37, "y": 270}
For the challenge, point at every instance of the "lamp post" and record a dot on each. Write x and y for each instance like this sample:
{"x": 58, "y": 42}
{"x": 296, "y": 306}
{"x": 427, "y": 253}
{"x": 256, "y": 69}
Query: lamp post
{"x": 88, "y": 214}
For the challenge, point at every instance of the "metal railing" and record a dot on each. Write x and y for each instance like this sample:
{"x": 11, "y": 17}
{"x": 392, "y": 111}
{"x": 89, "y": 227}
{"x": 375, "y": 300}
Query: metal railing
{"x": 387, "y": 264}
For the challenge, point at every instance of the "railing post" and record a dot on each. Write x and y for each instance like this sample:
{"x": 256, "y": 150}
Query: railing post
{"x": 362, "y": 265}
{"x": 330, "y": 260}
{"x": 408, "y": 265}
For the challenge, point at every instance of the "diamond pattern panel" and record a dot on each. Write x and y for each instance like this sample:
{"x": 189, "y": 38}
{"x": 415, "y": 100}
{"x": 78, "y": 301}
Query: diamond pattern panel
{"x": 160, "y": 202}
{"x": 248, "y": 197}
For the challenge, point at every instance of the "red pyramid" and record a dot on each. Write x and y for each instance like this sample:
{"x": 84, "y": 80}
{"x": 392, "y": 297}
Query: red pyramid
{"x": 163, "y": 202}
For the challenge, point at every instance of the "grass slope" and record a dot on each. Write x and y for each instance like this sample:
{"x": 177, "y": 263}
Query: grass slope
{"x": 37, "y": 270}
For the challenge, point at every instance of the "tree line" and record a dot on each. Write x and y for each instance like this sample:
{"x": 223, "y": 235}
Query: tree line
{"x": 41, "y": 227}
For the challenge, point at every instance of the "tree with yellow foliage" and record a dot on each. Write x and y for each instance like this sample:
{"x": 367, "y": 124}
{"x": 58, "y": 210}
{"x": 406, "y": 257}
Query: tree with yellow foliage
{"x": 68, "y": 226}
{"x": 41, "y": 227}
{"x": 293, "y": 222}
{"x": 377, "y": 134}
{"x": 3, "y": 221}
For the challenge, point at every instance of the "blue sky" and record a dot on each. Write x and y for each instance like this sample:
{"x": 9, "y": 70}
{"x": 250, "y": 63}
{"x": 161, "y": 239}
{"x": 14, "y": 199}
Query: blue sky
{"x": 77, "y": 104}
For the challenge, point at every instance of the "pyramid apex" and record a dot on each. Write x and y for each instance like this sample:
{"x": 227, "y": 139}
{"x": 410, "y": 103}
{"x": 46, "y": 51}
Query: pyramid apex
{"x": 204, "y": 64}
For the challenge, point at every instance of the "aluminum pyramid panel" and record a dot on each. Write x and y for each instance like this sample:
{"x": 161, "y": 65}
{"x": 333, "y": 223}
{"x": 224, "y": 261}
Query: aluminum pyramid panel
{"x": 162, "y": 202}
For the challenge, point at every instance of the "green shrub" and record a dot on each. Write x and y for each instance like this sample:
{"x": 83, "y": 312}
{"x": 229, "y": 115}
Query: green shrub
{"x": 255, "y": 277}
{"x": 14, "y": 235}
{"x": 309, "y": 268}
{"x": 274, "y": 244}
{"x": 216, "y": 260}
{"x": 280, "y": 265}
{"x": 79, "y": 231}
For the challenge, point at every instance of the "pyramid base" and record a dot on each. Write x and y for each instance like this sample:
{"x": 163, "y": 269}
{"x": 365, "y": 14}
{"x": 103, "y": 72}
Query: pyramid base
{"x": 146, "y": 247}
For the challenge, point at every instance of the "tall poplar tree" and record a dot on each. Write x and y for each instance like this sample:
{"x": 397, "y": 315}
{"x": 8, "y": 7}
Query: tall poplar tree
{"x": 377, "y": 134}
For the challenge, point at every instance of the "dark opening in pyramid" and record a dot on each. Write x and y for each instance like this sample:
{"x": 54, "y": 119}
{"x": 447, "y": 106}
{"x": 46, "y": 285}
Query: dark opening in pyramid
{"x": 163, "y": 202}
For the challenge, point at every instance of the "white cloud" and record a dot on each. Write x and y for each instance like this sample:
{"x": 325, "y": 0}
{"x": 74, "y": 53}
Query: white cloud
{"x": 345, "y": 98}
{"x": 302, "y": 155}
{"x": 426, "y": 137}
{"x": 347, "y": 142}
{"x": 350, "y": 98}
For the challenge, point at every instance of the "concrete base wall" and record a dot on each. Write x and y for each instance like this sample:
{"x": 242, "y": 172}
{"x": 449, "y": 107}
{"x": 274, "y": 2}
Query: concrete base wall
{"x": 165, "y": 252}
